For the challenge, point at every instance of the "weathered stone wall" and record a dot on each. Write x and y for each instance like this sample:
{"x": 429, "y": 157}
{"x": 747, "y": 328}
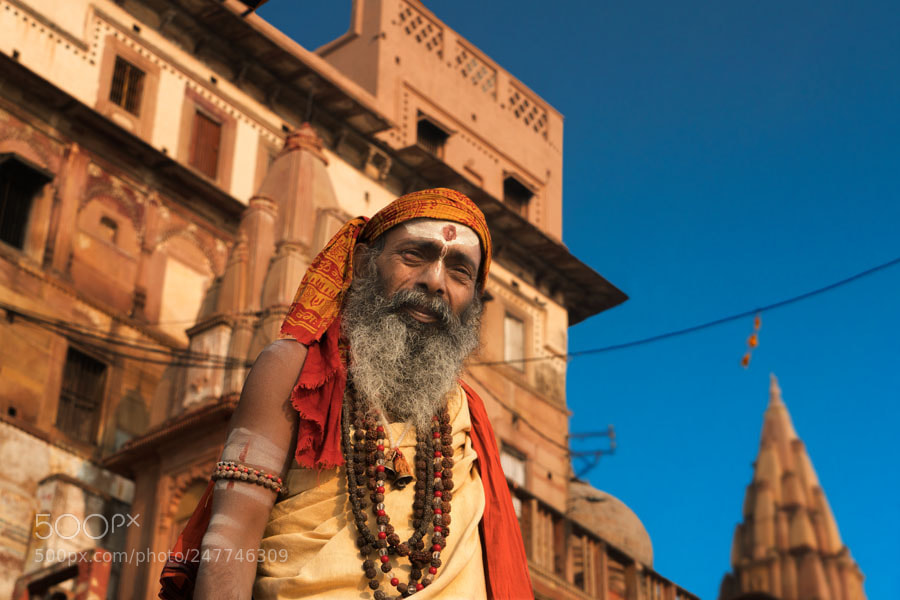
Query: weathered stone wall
{"x": 41, "y": 483}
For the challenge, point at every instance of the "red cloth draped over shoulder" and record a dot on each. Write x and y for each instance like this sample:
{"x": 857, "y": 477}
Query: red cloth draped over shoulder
{"x": 180, "y": 572}
{"x": 503, "y": 553}
{"x": 502, "y": 549}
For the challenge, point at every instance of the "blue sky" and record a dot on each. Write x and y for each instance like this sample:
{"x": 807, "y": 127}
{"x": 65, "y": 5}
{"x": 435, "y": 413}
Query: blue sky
{"x": 719, "y": 157}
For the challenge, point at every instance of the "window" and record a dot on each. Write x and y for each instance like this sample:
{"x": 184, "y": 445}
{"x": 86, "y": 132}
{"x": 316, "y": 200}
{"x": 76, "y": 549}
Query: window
{"x": 514, "y": 342}
{"x": 377, "y": 164}
{"x": 84, "y": 380}
{"x": 127, "y": 86}
{"x": 109, "y": 229}
{"x": 516, "y": 195}
{"x": 513, "y": 463}
{"x": 206, "y": 137}
{"x": 205, "y": 140}
{"x": 19, "y": 184}
{"x": 430, "y": 136}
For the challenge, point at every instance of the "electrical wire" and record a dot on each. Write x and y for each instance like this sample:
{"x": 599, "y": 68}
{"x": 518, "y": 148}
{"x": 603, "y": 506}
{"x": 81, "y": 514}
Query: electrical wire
{"x": 107, "y": 337}
{"x": 194, "y": 321}
{"x": 99, "y": 343}
{"x": 694, "y": 328}
{"x": 189, "y": 358}
{"x": 63, "y": 328}
{"x": 518, "y": 416}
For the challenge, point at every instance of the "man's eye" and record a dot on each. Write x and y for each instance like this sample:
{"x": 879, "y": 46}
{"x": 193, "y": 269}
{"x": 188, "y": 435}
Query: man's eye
{"x": 415, "y": 254}
{"x": 462, "y": 272}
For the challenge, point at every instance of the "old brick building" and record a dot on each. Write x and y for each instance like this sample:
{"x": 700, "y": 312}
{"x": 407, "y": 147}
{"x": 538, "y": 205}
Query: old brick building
{"x": 168, "y": 168}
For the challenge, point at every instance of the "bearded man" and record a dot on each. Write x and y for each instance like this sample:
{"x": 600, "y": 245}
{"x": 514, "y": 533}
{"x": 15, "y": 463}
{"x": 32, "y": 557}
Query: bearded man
{"x": 335, "y": 427}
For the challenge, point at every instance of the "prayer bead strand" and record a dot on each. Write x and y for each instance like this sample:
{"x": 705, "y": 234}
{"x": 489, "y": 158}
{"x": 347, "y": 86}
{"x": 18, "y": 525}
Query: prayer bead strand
{"x": 365, "y": 458}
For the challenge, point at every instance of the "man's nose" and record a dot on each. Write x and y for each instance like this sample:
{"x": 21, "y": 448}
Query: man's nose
{"x": 431, "y": 279}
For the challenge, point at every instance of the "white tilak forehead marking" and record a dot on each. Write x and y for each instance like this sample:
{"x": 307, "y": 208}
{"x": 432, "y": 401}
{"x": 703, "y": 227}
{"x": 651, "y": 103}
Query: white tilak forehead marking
{"x": 449, "y": 233}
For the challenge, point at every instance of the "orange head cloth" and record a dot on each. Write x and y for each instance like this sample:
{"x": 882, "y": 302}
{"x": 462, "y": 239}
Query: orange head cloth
{"x": 321, "y": 293}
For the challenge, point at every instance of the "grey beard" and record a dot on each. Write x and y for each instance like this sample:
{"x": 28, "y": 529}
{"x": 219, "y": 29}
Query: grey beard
{"x": 400, "y": 365}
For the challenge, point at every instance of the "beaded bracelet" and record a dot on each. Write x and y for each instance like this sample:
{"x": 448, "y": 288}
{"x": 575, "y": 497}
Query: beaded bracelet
{"x": 239, "y": 472}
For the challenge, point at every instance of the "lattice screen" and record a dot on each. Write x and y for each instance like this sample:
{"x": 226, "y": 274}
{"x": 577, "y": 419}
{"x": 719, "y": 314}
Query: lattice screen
{"x": 475, "y": 70}
{"x": 417, "y": 25}
{"x": 526, "y": 109}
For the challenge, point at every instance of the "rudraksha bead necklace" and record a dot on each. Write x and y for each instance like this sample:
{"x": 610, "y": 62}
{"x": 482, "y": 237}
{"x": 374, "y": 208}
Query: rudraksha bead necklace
{"x": 365, "y": 459}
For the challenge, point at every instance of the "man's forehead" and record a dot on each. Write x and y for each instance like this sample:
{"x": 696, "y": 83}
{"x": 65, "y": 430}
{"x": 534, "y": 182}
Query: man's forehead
{"x": 449, "y": 233}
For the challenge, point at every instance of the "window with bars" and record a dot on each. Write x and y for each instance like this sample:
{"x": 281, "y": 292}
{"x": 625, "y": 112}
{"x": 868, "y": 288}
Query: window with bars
{"x": 19, "y": 184}
{"x": 516, "y": 195}
{"x": 84, "y": 380}
{"x": 431, "y": 137}
{"x": 127, "y": 86}
{"x": 206, "y": 137}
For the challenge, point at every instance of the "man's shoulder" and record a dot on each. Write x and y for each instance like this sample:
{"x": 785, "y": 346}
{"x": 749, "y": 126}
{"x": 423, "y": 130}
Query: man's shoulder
{"x": 470, "y": 393}
{"x": 282, "y": 353}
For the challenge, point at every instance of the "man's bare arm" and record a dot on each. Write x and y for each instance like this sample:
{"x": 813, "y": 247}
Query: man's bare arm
{"x": 261, "y": 434}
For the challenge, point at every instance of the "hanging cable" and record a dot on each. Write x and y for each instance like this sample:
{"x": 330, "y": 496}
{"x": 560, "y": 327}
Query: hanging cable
{"x": 99, "y": 343}
{"x": 707, "y": 325}
{"x": 228, "y": 362}
{"x": 63, "y": 328}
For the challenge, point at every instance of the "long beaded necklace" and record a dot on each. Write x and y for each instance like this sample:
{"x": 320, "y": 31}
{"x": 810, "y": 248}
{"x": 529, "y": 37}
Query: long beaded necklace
{"x": 396, "y": 467}
{"x": 365, "y": 460}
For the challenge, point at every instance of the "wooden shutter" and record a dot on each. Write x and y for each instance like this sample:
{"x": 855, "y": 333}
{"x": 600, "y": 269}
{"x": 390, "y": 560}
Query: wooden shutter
{"x": 83, "y": 385}
{"x": 205, "y": 140}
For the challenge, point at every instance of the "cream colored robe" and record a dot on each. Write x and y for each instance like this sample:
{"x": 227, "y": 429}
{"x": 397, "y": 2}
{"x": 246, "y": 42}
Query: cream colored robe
{"x": 313, "y": 530}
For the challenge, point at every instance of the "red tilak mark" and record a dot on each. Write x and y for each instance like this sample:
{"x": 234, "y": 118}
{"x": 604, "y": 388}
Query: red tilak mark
{"x": 243, "y": 455}
{"x": 449, "y": 233}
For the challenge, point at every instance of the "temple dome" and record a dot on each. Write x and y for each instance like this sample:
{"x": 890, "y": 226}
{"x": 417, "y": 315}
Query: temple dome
{"x": 611, "y": 519}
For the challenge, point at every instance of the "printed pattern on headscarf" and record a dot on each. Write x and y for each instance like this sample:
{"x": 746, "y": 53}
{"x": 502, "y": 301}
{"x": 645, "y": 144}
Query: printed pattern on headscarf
{"x": 321, "y": 292}
{"x": 314, "y": 316}
{"x": 440, "y": 203}
{"x": 319, "y": 297}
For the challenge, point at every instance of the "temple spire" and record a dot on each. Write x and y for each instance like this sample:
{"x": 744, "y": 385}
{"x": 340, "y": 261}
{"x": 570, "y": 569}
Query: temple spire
{"x": 287, "y": 221}
{"x": 788, "y": 545}
{"x": 774, "y": 391}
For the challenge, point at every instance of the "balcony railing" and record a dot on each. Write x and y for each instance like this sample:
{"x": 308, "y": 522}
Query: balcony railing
{"x": 568, "y": 561}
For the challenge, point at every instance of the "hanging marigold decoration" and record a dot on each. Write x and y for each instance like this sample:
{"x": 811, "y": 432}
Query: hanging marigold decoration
{"x": 752, "y": 342}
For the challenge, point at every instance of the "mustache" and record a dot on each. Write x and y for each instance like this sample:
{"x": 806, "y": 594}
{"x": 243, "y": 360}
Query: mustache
{"x": 424, "y": 302}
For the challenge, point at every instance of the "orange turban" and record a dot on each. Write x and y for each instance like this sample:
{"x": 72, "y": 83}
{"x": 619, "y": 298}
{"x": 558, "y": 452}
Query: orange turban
{"x": 319, "y": 298}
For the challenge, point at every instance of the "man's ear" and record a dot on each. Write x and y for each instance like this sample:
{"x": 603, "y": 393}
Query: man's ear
{"x": 360, "y": 252}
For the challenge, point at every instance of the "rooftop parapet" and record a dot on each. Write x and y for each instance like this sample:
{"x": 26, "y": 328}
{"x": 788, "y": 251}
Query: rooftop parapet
{"x": 479, "y": 119}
